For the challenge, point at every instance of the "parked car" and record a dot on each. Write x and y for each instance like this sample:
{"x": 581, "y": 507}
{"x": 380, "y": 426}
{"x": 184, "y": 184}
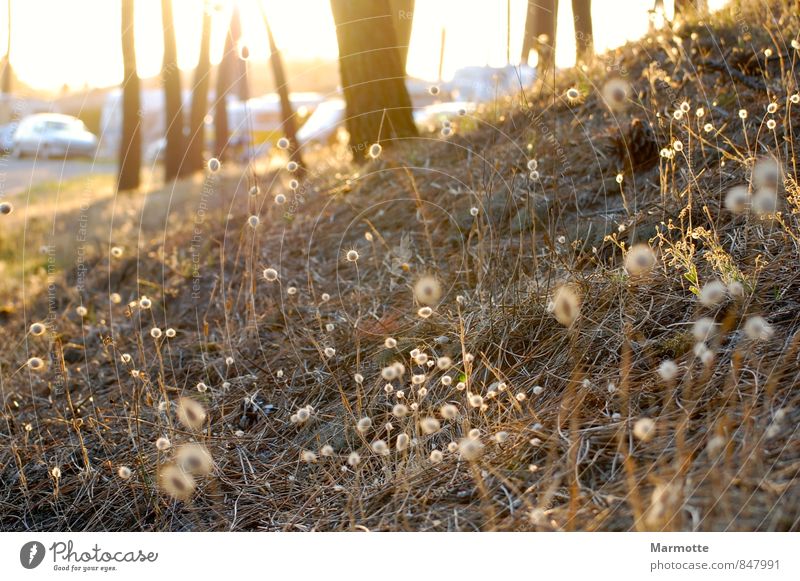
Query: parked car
{"x": 53, "y": 134}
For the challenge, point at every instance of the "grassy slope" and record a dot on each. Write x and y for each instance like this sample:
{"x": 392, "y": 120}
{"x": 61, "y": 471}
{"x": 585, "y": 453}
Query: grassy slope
{"x": 724, "y": 455}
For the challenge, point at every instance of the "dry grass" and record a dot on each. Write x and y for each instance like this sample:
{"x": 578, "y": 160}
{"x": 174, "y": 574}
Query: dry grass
{"x": 562, "y": 420}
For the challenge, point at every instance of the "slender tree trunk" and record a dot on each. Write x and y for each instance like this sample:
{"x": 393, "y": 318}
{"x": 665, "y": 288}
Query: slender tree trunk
{"x": 229, "y": 78}
{"x": 540, "y": 34}
{"x": 5, "y": 83}
{"x": 403, "y": 18}
{"x": 584, "y": 40}
{"x": 378, "y": 108}
{"x": 130, "y": 145}
{"x": 288, "y": 120}
{"x": 194, "y": 150}
{"x": 173, "y": 106}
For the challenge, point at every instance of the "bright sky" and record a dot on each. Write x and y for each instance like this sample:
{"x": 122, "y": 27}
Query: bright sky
{"x": 76, "y": 42}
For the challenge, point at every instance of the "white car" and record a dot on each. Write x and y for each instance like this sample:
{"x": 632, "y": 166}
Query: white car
{"x": 52, "y": 134}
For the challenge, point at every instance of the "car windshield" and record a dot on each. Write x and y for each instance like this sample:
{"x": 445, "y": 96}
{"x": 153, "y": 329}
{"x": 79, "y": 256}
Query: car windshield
{"x": 58, "y": 126}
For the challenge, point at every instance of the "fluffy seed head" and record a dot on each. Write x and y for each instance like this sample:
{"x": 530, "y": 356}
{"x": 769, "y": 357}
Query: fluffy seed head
{"x": 470, "y": 448}
{"x": 429, "y": 425}
{"x": 402, "y": 442}
{"x": 644, "y": 429}
{"x": 35, "y": 363}
{"x": 615, "y": 94}
{"x": 668, "y": 370}
{"x": 448, "y": 411}
{"x": 82, "y": 312}
{"x": 214, "y": 165}
{"x": 326, "y": 451}
{"x": 364, "y": 424}
{"x": 703, "y": 329}
{"x": 757, "y": 328}
{"x": 425, "y": 312}
{"x": 380, "y": 447}
{"x": 436, "y": 456}
{"x": 175, "y": 482}
{"x": 163, "y": 444}
{"x": 353, "y": 459}
{"x": 640, "y": 260}
{"x": 390, "y": 343}
{"x": 566, "y": 305}
{"x": 191, "y": 413}
{"x": 428, "y": 290}
{"x": 283, "y": 143}
{"x": 736, "y": 199}
{"x": 194, "y": 458}
{"x": 712, "y": 293}
{"x": 375, "y": 150}
{"x": 330, "y": 352}
{"x": 270, "y": 274}
{"x": 352, "y": 255}
{"x": 124, "y": 472}
{"x": 155, "y": 333}
{"x": 308, "y": 456}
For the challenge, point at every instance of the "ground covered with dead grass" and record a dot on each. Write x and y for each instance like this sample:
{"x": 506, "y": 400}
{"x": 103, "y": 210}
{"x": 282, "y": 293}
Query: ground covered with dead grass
{"x": 561, "y": 312}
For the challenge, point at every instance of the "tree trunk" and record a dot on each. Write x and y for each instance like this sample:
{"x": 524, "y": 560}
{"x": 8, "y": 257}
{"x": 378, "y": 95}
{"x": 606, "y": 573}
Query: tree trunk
{"x": 130, "y": 144}
{"x": 173, "y": 107}
{"x": 403, "y": 18}
{"x": 5, "y": 83}
{"x": 540, "y": 34}
{"x": 378, "y": 107}
{"x": 229, "y": 79}
{"x": 288, "y": 121}
{"x": 584, "y": 40}
{"x": 194, "y": 150}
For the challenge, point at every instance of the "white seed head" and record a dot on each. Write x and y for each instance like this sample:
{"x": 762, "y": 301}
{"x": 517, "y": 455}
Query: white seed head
{"x": 271, "y": 274}
{"x": 640, "y": 260}
{"x": 470, "y": 448}
{"x": 375, "y": 150}
{"x": 703, "y": 329}
{"x": 35, "y": 363}
{"x": 380, "y": 447}
{"x": 644, "y": 429}
{"x": 429, "y": 425}
{"x": 757, "y": 328}
{"x": 736, "y": 199}
{"x": 214, "y": 165}
{"x": 668, "y": 370}
{"x": 364, "y": 424}
{"x": 37, "y": 329}
{"x": 713, "y": 293}
{"x": 566, "y": 305}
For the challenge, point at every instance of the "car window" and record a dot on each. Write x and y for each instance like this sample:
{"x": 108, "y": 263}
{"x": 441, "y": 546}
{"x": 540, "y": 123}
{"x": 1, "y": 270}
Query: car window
{"x": 56, "y": 126}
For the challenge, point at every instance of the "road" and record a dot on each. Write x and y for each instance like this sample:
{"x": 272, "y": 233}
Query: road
{"x": 18, "y": 175}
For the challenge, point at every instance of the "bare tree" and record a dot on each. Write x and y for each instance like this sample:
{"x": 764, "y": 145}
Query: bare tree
{"x": 288, "y": 121}
{"x": 130, "y": 145}
{"x": 378, "y": 107}
{"x": 541, "y": 31}
{"x": 171, "y": 76}
{"x": 202, "y": 80}
{"x": 231, "y": 77}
